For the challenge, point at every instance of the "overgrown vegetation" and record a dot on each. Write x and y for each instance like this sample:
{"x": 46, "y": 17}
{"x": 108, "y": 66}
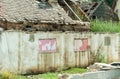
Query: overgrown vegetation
{"x": 74, "y": 70}
{"x": 105, "y": 26}
{"x": 6, "y": 75}
{"x": 48, "y": 75}
{"x": 97, "y": 56}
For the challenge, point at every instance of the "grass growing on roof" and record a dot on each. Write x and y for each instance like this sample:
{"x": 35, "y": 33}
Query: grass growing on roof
{"x": 105, "y": 26}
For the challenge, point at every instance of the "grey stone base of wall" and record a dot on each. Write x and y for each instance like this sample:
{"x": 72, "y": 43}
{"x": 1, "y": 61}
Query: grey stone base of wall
{"x": 110, "y": 74}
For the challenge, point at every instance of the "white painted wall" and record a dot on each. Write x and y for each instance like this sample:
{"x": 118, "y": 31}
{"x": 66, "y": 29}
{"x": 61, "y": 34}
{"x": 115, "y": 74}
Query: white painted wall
{"x": 18, "y": 54}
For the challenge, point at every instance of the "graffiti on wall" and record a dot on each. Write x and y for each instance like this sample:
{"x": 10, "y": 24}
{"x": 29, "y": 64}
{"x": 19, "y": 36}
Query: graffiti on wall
{"x": 80, "y": 44}
{"x": 47, "y": 45}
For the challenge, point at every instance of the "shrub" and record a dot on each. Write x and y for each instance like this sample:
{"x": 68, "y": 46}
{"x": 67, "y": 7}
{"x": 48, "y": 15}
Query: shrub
{"x": 105, "y": 26}
{"x": 5, "y": 75}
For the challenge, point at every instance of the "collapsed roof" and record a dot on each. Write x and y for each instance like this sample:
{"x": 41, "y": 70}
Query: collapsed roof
{"x": 99, "y": 10}
{"x": 73, "y": 9}
{"x": 33, "y": 12}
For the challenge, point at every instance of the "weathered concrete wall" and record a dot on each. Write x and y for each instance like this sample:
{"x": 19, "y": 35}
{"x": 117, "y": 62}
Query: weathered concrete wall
{"x": 111, "y": 74}
{"x": 20, "y": 51}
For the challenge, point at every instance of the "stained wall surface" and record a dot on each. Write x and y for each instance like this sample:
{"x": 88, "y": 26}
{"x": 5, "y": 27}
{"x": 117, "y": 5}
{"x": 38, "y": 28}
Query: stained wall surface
{"x": 25, "y": 52}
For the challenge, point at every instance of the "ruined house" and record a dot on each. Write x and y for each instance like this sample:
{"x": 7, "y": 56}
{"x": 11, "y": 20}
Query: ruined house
{"x": 33, "y": 37}
{"x": 33, "y": 40}
{"x": 99, "y": 10}
{"x": 37, "y": 15}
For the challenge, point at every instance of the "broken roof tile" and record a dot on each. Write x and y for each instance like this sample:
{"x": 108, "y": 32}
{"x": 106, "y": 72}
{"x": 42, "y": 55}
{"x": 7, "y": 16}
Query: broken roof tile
{"x": 29, "y": 9}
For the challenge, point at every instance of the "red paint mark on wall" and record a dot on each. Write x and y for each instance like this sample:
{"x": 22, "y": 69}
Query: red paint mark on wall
{"x": 47, "y": 45}
{"x": 81, "y": 44}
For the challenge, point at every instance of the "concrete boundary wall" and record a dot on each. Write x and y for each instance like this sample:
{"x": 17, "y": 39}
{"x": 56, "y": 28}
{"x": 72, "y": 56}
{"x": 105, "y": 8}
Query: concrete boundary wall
{"x": 111, "y": 74}
{"x": 21, "y": 51}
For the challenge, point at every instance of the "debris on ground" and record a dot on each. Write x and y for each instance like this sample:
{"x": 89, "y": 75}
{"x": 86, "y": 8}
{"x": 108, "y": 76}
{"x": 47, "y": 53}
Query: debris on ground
{"x": 63, "y": 76}
{"x": 103, "y": 66}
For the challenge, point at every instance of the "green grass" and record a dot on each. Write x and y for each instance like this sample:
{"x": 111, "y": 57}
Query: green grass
{"x": 69, "y": 71}
{"x": 105, "y": 26}
{"x": 49, "y": 75}
{"x": 55, "y": 75}
{"x": 74, "y": 70}
{"x": 19, "y": 77}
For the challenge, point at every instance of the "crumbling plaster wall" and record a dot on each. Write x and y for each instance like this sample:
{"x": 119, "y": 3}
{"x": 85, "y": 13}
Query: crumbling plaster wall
{"x": 19, "y": 50}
